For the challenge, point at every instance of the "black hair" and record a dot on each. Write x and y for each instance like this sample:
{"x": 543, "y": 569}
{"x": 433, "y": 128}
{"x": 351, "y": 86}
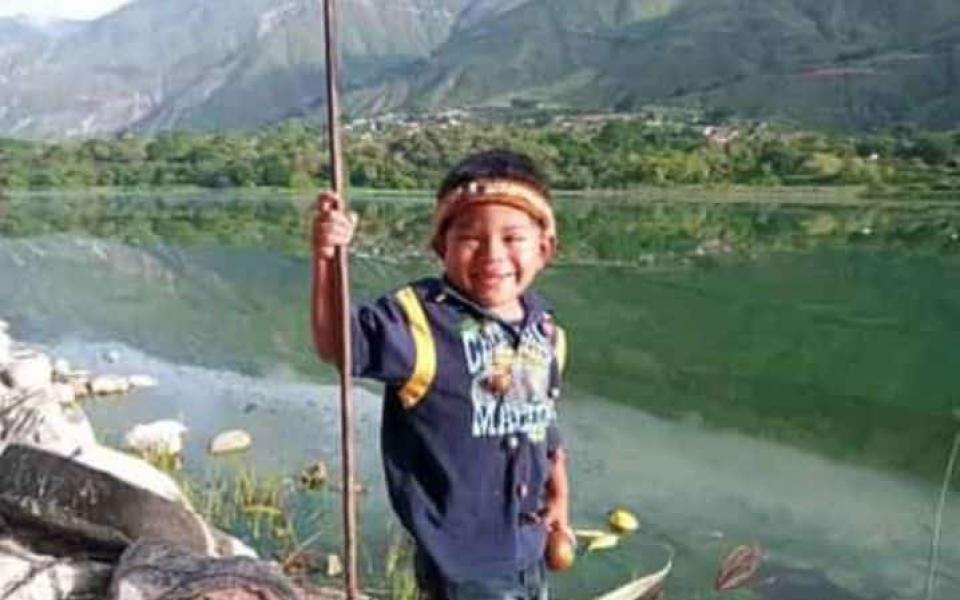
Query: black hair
{"x": 495, "y": 164}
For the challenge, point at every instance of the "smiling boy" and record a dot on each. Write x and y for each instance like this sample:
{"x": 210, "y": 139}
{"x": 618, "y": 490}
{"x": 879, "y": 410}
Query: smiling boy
{"x": 471, "y": 363}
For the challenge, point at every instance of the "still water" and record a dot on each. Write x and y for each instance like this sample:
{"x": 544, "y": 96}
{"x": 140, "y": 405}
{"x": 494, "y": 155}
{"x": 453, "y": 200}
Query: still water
{"x": 799, "y": 401}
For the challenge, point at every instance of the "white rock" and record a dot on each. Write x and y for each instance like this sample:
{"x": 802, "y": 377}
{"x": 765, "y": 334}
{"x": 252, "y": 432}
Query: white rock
{"x": 131, "y": 469}
{"x": 78, "y": 428}
{"x": 80, "y": 385}
{"x": 6, "y": 344}
{"x": 43, "y": 422}
{"x": 235, "y": 547}
{"x": 61, "y": 369}
{"x": 64, "y": 393}
{"x": 158, "y": 437}
{"x": 334, "y": 566}
{"x": 233, "y": 440}
{"x": 109, "y": 384}
{"x": 142, "y": 381}
{"x": 30, "y": 576}
{"x": 31, "y": 373}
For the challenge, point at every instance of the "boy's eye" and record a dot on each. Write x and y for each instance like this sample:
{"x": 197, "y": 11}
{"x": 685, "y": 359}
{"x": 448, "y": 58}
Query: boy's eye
{"x": 515, "y": 238}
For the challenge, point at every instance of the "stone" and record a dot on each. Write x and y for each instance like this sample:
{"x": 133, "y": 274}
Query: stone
{"x": 6, "y": 345}
{"x": 143, "y": 381}
{"x": 314, "y": 476}
{"x": 39, "y": 419}
{"x": 163, "y": 437}
{"x": 77, "y": 427}
{"x": 103, "y": 385}
{"x": 80, "y": 503}
{"x": 64, "y": 393}
{"x": 61, "y": 369}
{"x": 152, "y": 569}
{"x": 233, "y": 440}
{"x": 28, "y": 575}
{"x": 30, "y": 373}
{"x": 334, "y": 566}
{"x": 81, "y": 386}
{"x": 133, "y": 470}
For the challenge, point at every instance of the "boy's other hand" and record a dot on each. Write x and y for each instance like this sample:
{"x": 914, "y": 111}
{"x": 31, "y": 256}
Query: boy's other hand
{"x": 332, "y": 226}
{"x": 556, "y": 516}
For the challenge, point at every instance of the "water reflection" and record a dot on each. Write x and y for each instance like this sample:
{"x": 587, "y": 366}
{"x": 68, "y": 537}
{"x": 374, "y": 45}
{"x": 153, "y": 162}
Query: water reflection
{"x": 223, "y": 330}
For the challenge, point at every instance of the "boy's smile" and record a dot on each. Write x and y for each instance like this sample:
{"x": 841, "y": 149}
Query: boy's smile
{"x": 492, "y": 253}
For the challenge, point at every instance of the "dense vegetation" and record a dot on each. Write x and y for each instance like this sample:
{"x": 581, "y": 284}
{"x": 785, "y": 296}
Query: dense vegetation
{"x": 646, "y": 227}
{"x": 579, "y": 153}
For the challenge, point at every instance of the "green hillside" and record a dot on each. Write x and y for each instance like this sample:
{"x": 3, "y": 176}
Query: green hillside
{"x": 211, "y": 64}
{"x": 824, "y": 62}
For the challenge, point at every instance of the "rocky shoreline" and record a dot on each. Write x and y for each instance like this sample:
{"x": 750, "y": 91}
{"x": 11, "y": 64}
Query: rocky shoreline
{"x": 79, "y": 519}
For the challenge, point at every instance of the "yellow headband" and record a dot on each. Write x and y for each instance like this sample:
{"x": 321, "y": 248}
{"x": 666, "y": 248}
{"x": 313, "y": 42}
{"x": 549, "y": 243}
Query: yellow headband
{"x": 493, "y": 191}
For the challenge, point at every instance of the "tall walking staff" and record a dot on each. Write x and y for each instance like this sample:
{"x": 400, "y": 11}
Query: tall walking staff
{"x": 342, "y": 298}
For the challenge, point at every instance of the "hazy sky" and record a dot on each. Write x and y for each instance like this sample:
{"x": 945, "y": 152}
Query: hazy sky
{"x": 65, "y": 9}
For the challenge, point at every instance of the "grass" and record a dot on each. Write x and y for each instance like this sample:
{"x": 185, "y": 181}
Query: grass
{"x": 263, "y": 510}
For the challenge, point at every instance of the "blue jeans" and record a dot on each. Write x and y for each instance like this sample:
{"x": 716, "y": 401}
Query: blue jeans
{"x": 528, "y": 584}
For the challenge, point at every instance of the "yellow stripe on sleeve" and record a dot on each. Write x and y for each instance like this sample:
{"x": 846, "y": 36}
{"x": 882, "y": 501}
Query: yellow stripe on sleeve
{"x": 560, "y": 348}
{"x": 425, "y": 353}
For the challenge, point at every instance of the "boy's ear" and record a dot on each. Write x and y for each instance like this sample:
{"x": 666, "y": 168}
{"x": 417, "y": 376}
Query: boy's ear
{"x": 548, "y": 247}
{"x": 439, "y": 246}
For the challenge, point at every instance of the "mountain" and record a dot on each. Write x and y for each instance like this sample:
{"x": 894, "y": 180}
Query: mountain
{"x": 21, "y": 37}
{"x": 17, "y": 27}
{"x": 159, "y": 64}
{"x": 852, "y": 63}
{"x": 156, "y": 64}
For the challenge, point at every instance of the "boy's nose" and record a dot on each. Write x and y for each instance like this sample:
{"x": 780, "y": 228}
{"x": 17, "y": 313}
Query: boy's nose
{"x": 492, "y": 247}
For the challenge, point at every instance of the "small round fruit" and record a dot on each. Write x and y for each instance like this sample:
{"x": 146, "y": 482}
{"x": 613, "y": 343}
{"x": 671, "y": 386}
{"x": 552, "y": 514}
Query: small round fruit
{"x": 560, "y": 552}
{"x": 622, "y": 520}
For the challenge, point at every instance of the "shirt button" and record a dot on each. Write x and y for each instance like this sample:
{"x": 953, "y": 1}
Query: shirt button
{"x": 513, "y": 442}
{"x": 554, "y": 393}
{"x": 522, "y": 490}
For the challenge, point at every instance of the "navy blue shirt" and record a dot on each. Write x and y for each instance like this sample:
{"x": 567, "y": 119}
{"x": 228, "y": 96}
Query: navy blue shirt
{"x": 467, "y": 463}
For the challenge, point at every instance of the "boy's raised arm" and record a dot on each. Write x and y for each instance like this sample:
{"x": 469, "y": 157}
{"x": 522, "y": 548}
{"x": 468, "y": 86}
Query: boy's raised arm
{"x": 332, "y": 228}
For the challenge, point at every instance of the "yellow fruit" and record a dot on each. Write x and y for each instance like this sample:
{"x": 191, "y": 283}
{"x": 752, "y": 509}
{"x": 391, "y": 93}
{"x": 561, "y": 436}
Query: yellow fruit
{"x": 622, "y": 520}
{"x": 603, "y": 542}
{"x": 589, "y": 534}
{"x": 560, "y": 552}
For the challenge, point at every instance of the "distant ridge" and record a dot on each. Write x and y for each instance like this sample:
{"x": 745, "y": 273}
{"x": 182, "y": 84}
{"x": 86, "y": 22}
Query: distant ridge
{"x": 161, "y": 64}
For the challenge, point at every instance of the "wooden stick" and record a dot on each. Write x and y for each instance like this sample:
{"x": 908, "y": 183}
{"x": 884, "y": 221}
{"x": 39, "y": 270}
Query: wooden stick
{"x": 342, "y": 281}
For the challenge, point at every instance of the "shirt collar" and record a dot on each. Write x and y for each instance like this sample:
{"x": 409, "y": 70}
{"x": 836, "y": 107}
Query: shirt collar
{"x": 534, "y": 305}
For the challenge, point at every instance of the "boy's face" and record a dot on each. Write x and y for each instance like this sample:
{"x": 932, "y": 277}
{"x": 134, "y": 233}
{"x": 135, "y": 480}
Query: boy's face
{"x": 492, "y": 253}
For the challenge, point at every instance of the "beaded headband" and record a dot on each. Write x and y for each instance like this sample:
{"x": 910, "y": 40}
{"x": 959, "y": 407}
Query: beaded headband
{"x": 492, "y": 191}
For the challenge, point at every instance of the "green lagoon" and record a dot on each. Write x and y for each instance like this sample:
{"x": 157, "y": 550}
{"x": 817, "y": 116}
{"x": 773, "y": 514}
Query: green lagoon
{"x": 797, "y": 395}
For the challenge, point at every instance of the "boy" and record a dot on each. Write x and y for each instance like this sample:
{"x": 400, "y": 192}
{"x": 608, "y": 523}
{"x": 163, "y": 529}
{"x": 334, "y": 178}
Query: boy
{"x": 471, "y": 364}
